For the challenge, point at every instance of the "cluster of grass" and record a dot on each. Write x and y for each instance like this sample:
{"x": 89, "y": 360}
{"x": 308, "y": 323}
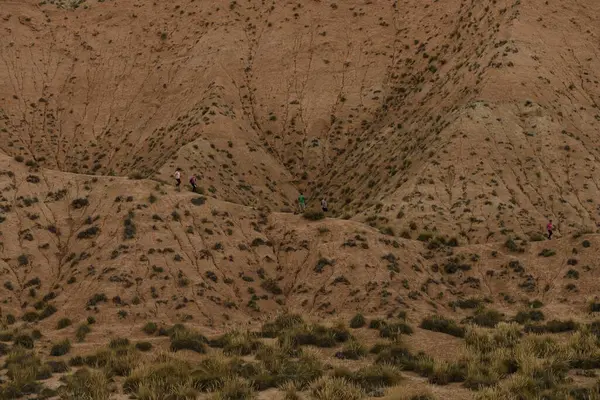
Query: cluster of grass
{"x": 372, "y": 377}
{"x": 523, "y": 317}
{"x": 485, "y": 317}
{"x": 358, "y": 321}
{"x": 226, "y": 376}
{"x": 314, "y": 335}
{"x": 437, "y": 323}
{"x": 504, "y": 363}
{"x": 470, "y": 303}
{"x": 24, "y": 369}
{"x": 554, "y": 326}
{"x": 313, "y": 215}
{"x": 236, "y": 343}
{"x": 85, "y": 384}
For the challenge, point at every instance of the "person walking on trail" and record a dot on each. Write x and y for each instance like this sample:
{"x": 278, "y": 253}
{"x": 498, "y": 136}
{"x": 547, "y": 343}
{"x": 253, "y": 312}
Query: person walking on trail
{"x": 550, "y": 228}
{"x": 324, "y": 205}
{"x": 178, "y": 177}
{"x": 302, "y": 202}
{"x": 193, "y": 183}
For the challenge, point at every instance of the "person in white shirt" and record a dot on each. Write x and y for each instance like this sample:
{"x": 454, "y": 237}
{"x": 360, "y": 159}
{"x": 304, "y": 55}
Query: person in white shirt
{"x": 324, "y": 205}
{"x": 178, "y": 177}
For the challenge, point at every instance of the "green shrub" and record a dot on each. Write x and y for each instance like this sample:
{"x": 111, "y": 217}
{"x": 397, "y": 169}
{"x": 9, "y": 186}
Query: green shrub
{"x": 358, "y": 321}
{"x": 150, "y": 328}
{"x": 547, "y": 253}
{"x": 210, "y": 374}
{"x": 486, "y": 318}
{"x": 313, "y": 215}
{"x": 58, "y": 367}
{"x": 511, "y": 245}
{"x": 24, "y": 341}
{"x": 236, "y": 389}
{"x": 353, "y": 350}
{"x": 470, "y": 303}
{"x": 572, "y": 274}
{"x": 60, "y": 348}
{"x": 63, "y": 323}
{"x": 47, "y": 311}
{"x": 143, "y": 346}
{"x": 82, "y": 331}
{"x": 376, "y": 324}
{"x": 425, "y": 237}
{"x": 446, "y": 373}
{"x": 277, "y": 367}
{"x": 184, "y": 339}
{"x": 86, "y": 384}
{"x": 594, "y": 307}
{"x": 372, "y": 377}
{"x": 157, "y": 380}
{"x": 523, "y": 317}
{"x": 395, "y": 330}
{"x": 281, "y": 323}
{"x": 118, "y": 342}
{"x": 398, "y": 355}
{"x": 30, "y": 316}
{"x": 80, "y": 203}
{"x": 554, "y": 326}
{"x": 438, "y": 323}
{"x": 328, "y": 388}
{"x": 88, "y": 233}
{"x": 236, "y": 343}
{"x": 454, "y": 265}
{"x": 321, "y": 264}
{"x": 270, "y": 285}
{"x": 198, "y": 201}
{"x": 97, "y": 298}
{"x": 316, "y": 335}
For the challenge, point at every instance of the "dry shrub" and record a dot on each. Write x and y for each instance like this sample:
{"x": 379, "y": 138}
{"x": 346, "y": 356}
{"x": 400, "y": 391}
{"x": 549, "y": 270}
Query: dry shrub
{"x": 331, "y": 388}
{"x": 235, "y": 389}
{"x": 157, "y": 380}
{"x": 85, "y": 384}
{"x": 410, "y": 393}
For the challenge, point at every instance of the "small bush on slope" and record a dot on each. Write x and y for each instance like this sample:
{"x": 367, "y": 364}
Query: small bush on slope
{"x": 328, "y": 388}
{"x": 86, "y": 384}
{"x": 437, "y": 323}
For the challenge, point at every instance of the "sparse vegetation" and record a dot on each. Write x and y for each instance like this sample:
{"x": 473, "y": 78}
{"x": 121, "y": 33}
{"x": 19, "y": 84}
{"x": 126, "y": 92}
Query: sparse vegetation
{"x": 437, "y": 323}
{"x": 60, "y": 348}
{"x": 440, "y": 187}
{"x": 358, "y": 321}
{"x": 63, "y": 323}
{"x": 313, "y": 215}
{"x": 185, "y": 339}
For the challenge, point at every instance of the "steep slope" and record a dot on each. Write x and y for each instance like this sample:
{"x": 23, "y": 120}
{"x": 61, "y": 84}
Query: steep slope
{"x": 126, "y": 251}
{"x": 408, "y": 118}
{"x": 493, "y": 134}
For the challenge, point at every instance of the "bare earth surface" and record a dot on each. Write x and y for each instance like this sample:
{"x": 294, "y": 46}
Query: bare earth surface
{"x": 444, "y": 135}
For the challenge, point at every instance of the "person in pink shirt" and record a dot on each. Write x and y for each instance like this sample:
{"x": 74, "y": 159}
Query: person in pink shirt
{"x": 550, "y": 228}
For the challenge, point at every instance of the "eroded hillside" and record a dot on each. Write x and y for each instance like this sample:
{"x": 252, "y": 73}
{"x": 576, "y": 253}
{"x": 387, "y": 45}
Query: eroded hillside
{"x": 444, "y": 135}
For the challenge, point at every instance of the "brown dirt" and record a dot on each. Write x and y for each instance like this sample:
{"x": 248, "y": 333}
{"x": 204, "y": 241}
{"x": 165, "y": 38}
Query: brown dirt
{"x": 474, "y": 120}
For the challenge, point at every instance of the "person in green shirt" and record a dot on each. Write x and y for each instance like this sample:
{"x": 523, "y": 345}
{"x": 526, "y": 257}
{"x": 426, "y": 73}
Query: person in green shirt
{"x": 302, "y": 202}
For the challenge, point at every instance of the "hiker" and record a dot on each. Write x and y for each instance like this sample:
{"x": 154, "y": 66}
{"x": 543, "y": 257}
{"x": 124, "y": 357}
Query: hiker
{"x": 193, "y": 183}
{"x": 178, "y": 177}
{"x": 550, "y": 228}
{"x": 324, "y": 205}
{"x": 302, "y": 202}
